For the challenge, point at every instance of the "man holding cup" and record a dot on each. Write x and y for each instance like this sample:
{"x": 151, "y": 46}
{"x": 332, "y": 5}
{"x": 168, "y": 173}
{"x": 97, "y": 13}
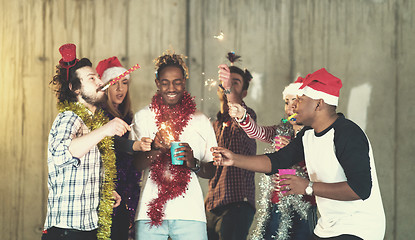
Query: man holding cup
{"x": 171, "y": 200}
{"x": 339, "y": 161}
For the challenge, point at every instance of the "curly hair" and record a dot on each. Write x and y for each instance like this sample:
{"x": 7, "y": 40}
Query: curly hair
{"x": 168, "y": 59}
{"x": 60, "y": 84}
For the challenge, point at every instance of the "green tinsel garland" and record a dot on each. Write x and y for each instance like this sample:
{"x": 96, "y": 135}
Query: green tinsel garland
{"x": 106, "y": 149}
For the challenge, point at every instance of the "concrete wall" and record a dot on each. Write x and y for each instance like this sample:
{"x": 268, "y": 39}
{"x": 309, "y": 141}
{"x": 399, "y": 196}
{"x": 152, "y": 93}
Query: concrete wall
{"x": 365, "y": 43}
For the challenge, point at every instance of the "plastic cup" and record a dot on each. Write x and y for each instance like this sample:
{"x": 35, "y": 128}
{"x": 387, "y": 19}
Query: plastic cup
{"x": 174, "y": 160}
{"x": 285, "y": 172}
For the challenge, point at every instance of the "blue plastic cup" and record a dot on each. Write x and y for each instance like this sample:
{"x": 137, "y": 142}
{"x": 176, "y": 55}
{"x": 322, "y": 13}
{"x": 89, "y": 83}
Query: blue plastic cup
{"x": 174, "y": 160}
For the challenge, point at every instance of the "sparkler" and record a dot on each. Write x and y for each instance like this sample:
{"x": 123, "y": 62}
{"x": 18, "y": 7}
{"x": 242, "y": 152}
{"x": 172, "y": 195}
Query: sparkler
{"x": 220, "y": 36}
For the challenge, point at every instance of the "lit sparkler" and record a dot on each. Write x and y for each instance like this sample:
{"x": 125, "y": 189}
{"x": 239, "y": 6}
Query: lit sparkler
{"x": 220, "y": 36}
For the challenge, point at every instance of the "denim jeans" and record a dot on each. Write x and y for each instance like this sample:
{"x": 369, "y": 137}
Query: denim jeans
{"x": 302, "y": 229}
{"x": 175, "y": 229}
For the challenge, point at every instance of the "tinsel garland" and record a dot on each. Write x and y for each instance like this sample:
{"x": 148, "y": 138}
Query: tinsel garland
{"x": 286, "y": 204}
{"x": 106, "y": 149}
{"x": 266, "y": 187}
{"x": 171, "y": 180}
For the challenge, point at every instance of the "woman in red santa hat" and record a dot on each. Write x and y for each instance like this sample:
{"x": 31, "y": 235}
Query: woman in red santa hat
{"x": 118, "y": 104}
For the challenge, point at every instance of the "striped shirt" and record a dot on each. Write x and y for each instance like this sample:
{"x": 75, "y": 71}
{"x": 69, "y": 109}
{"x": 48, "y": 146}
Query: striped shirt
{"x": 232, "y": 184}
{"x": 263, "y": 133}
{"x": 73, "y": 183}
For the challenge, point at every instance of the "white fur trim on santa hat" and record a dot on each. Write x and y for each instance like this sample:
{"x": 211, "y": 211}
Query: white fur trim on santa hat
{"x": 314, "y": 94}
{"x": 292, "y": 89}
{"x": 111, "y": 73}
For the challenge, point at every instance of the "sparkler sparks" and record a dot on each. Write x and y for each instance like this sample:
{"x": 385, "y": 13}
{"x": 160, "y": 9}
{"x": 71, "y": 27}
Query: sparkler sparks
{"x": 220, "y": 36}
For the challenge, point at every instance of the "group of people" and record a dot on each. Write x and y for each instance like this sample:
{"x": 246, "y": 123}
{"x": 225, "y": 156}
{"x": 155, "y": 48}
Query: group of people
{"x": 111, "y": 174}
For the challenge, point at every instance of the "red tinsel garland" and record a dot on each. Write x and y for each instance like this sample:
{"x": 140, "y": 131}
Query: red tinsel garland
{"x": 172, "y": 180}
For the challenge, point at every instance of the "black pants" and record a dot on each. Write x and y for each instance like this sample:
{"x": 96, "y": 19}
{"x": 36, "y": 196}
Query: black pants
{"x": 341, "y": 237}
{"x": 230, "y": 222}
{"x": 120, "y": 223}
{"x": 55, "y": 233}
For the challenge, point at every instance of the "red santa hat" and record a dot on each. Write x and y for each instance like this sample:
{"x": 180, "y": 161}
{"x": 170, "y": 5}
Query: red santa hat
{"x": 110, "y": 68}
{"x": 292, "y": 89}
{"x": 321, "y": 85}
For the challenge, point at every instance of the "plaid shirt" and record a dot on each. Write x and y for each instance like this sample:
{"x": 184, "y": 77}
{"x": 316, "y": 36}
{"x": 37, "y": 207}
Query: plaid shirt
{"x": 232, "y": 184}
{"x": 73, "y": 183}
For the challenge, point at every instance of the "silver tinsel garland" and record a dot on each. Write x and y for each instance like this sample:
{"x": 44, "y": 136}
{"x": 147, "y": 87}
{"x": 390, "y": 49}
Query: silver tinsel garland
{"x": 286, "y": 205}
{"x": 266, "y": 187}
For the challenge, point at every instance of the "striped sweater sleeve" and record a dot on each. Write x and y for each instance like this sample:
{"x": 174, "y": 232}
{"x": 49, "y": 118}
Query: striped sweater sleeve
{"x": 263, "y": 133}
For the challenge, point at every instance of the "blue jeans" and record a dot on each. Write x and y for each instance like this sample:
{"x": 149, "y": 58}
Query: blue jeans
{"x": 175, "y": 229}
{"x": 302, "y": 229}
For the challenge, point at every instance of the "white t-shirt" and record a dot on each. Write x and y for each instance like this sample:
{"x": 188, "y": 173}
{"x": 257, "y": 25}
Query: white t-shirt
{"x": 199, "y": 134}
{"x": 364, "y": 218}
{"x": 340, "y": 153}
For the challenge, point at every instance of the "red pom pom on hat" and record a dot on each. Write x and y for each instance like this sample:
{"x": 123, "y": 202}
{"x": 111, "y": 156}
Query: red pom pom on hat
{"x": 322, "y": 85}
{"x": 107, "y": 63}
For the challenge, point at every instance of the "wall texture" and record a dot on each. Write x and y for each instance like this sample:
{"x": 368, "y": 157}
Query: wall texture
{"x": 367, "y": 43}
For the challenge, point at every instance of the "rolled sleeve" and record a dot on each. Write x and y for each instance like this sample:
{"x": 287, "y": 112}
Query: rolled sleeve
{"x": 64, "y": 129}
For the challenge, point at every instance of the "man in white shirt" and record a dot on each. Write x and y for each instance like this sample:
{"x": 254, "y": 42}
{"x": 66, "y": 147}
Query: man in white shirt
{"x": 339, "y": 161}
{"x": 171, "y": 200}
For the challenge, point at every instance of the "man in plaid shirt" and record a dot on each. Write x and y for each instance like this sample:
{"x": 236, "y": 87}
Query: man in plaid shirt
{"x": 230, "y": 203}
{"x": 73, "y": 157}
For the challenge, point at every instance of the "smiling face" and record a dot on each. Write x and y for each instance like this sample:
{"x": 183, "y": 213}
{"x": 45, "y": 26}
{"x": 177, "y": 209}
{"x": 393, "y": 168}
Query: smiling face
{"x": 90, "y": 81}
{"x": 118, "y": 91}
{"x": 171, "y": 84}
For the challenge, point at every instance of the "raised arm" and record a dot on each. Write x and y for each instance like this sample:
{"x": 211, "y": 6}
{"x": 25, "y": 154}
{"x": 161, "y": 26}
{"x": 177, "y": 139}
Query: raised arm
{"x": 251, "y": 128}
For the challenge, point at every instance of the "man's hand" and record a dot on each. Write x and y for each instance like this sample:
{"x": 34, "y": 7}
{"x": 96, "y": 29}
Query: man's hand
{"x": 144, "y": 145}
{"x": 236, "y": 110}
{"x": 115, "y": 127}
{"x": 117, "y": 199}
{"x": 186, "y": 155}
{"x": 224, "y": 75}
{"x": 294, "y": 184}
{"x": 222, "y": 156}
{"x": 160, "y": 140}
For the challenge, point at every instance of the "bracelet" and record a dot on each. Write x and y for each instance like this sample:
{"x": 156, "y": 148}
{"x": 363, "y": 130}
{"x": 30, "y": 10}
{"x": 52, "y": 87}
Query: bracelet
{"x": 242, "y": 119}
{"x": 196, "y": 169}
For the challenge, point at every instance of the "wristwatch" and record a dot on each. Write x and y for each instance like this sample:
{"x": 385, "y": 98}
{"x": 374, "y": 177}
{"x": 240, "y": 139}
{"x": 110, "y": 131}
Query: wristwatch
{"x": 197, "y": 166}
{"x": 309, "y": 189}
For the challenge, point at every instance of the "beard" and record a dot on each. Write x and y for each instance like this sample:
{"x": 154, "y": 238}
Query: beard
{"x": 95, "y": 100}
